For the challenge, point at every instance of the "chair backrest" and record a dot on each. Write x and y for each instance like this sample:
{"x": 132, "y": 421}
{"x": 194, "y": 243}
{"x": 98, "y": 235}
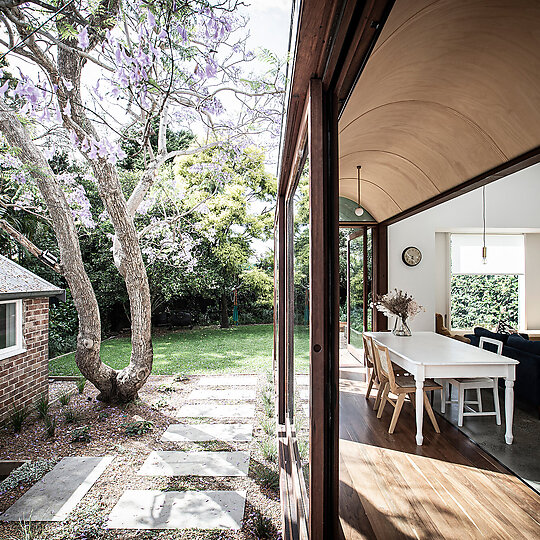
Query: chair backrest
{"x": 368, "y": 350}
{"x": 496, "y": 342}
{"x": 384, "y": 364}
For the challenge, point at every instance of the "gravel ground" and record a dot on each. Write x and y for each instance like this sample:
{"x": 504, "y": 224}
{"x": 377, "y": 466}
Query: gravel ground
{"x": 157, "y": 402}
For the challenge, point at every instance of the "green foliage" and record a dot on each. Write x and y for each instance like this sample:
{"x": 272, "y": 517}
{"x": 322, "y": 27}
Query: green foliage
{"x": 80, "y": 434}
{"x": 50, "y": 426}
{"x": 42, "y": 406}
{"x": 268, "y": 402}
{"x": 71, "y": 415}
{"x": 266, "y": 477}
{"x": 64, "y": 398}
{"x": 268, "y": 450}
{"x": 81, "y": 383}
{"x": 262, "y": 526}
{"x": 137, "y": 427}
{"x": 17, "y": 417}
{"x": 269, "y": 427}
{"x": 63, "y": 327}
{"x": 103, "y": 415}
{"x": 483, "y": 300}
{"x": 181, "y": 377}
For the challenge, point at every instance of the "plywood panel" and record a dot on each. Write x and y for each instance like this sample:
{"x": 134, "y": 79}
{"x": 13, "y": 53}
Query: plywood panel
{"x": 452, "y": 88}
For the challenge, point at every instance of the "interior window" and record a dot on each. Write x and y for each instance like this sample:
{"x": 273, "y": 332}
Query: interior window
{"x": 485, "y": 291}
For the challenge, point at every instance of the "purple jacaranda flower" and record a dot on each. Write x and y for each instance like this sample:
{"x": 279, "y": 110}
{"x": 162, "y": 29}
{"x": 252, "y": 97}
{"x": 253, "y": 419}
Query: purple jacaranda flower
{"x": 84, "y": 41}
{"x": 103, "y": 148}
{"x": 19, "y": 177}
{"x": 68, "y": 84}
{"x": 182, "y": 32}
{"x": 211, "y": 68}
{"x": 120, "y": 154}
{"x": 151, "y": 19}
{"x": 49, "y": 152}
{"x": 122, "y": 78}
{"x": 58, "y": 114}
{"x": 93, "y": 154}
{"x": 73, "y": 138}
{"x": 4, "y": 88}
{"x": 67, "y": 109}
{"x": 163, "y": 35}
{"x": 85, "y": 146}
{"x": 112, "y": 159}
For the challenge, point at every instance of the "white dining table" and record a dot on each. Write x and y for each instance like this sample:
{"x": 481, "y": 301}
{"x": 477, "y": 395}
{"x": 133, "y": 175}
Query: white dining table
{"x": 427, "y": 355}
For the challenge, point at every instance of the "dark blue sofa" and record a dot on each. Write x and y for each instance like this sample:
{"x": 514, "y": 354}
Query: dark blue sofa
{"x": 527, "y": 353}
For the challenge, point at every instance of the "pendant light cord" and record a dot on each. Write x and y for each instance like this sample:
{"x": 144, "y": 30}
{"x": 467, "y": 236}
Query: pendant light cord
{"x": 359, "y": 186}
{"x": 484, "y": 214}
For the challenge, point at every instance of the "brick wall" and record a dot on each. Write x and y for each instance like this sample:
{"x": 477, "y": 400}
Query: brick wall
{"x": 24, "y": 377}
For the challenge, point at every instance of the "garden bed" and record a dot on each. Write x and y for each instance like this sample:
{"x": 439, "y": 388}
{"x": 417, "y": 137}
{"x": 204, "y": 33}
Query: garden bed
{"x": 159, "y": 399}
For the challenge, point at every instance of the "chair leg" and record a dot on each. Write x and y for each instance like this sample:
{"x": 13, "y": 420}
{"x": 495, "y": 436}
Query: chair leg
{"x": 378, "y": 398}
{"x": 479, "y": 398}
{"x": 461, "y": 404}
{"x": 444, "y": 391}
{"x": 431, "y": 414}
{"x": 496, "y": 401}
{"x": 397, "y": 410}
{"x": 370, "y": 385}
{"x": 412, "y": 397}
{"x": 383, "y": 399}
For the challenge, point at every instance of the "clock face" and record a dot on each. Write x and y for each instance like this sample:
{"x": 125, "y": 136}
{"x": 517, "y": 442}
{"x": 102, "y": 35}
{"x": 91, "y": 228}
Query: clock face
{"x": 411, "y": 256}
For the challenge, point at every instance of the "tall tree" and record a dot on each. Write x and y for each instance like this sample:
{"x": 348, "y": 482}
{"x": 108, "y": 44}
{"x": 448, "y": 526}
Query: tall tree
{"x": 146, "y": 65}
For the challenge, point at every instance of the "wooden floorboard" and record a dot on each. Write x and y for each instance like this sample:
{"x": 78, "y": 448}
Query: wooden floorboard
{"x": 446, "y": 488}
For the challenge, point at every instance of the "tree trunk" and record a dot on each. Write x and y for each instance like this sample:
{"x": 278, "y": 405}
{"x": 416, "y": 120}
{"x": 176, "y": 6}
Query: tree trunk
{"x": 89, "y": 336}
{"x": 224, "y": 317}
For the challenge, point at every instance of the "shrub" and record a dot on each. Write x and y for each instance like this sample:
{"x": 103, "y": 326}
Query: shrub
{"x": 42, "y": 406}
{"x": 17, "y": 418}
{"x": 64, "y": 399}
{"x": 50, "y": 426}
{"x": 266, "y": 477}
{"x": 262, "y": 526}
{"x": 269, "y": 427}
{"x": 268, "y": 450}
{"x": 81, "y": 383}
{"x": 81, "y": 434}
{"x": 71, "y": 415}
{"x": 138, "y": 427}
{"x": 268, "y": 403}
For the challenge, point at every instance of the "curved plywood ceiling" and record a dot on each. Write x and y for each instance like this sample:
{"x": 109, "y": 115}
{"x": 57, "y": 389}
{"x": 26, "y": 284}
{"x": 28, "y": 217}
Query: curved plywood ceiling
{"x": 451, "y": 90}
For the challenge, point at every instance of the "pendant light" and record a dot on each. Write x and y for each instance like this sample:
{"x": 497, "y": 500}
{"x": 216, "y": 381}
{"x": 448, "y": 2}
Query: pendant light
{"x": 359, "y": 211}
{"x": 484, "y": 247}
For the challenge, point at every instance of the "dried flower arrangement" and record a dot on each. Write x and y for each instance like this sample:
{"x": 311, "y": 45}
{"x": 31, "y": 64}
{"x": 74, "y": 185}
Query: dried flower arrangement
{"x": 401, "y": 305}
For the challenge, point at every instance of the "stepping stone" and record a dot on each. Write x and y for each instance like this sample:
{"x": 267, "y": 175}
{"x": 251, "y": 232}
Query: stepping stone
{"x": 303, "y": 393}
{"x": 54, "y": 496}
{"x": 302, "y": 380}
{"x": 229, "y": 380}
{"x": 235, "y": 394}
{"x": 178, "y": 463}
{"x": 208, "y": 432}
{"x": 153, "y": 509}
{"x": 209, "y": 410}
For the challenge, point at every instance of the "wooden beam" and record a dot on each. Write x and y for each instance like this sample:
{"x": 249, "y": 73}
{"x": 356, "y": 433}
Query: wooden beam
{"x": 324, "y": 313}
{"x": 365, "y": 299}
{"x": 281, "y": 308}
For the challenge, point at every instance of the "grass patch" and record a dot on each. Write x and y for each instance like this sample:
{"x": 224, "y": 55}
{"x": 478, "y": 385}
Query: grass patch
{"x": 243, "y": 349}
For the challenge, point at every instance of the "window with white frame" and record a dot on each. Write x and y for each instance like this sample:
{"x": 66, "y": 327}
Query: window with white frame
{"x": 11, "y": 335}
{"x": 484, "y": 292}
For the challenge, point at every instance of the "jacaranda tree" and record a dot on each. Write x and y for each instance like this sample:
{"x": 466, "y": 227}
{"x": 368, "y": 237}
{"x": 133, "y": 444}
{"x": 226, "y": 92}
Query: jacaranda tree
{"x": 90, "y": 75}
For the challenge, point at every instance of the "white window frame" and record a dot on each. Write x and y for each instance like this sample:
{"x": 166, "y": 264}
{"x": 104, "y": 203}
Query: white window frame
{"x": 19, "y": 346}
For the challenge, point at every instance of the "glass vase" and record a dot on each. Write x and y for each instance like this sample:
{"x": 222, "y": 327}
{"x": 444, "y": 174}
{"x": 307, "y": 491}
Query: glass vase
{"x": 401, "y": 328}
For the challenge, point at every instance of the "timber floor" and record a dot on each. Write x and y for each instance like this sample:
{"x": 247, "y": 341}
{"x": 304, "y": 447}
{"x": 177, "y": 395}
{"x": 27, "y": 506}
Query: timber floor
{"x": 447, "y": 488}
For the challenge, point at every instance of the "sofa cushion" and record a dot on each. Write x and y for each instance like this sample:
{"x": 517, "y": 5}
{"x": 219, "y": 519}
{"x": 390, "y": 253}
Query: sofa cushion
{"x": 517, "y": 342}
{"x": 484, "y": 332}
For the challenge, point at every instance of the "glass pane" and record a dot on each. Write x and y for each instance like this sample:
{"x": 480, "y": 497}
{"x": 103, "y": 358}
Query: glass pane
{"x": 8, "y": 325}
{"x": 357, "y": 290}
{"x": 478, "y": 300}
{"x": 301, "y": 323}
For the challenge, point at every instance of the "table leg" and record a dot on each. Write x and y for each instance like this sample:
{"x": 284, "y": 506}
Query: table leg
{"x": 419, "y": 410}
{"x": 509, "y": 410}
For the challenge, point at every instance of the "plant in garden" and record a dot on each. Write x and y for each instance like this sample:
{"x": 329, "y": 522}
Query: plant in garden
{"x": 71, "y": 415}
{"x": 81, "y": 383}
{"x": 262, "y": 526}
{"x": 103, "y": 415}
{"x": 42, "y": 406}
{"x": 269, "y": 426}
{"x": 266, "y": 477}
{"x": 268, "y": 402}
{"x": 105, "y": 76}
{"x": 137, "y": 427}
{"x": 80, "y": 434}
{"x": 181, "y": 377}
{"x": 17, "y": 417}
{"x": 50, "y": 426}
{"x": 268, "y": 449}
{"x": 64, "y": 398}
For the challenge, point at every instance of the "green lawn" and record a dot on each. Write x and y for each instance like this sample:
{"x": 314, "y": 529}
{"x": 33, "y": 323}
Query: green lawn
{"x": 245, "y": 349}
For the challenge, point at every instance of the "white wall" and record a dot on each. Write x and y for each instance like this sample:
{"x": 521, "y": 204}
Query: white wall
{"x": 512, "y": 206}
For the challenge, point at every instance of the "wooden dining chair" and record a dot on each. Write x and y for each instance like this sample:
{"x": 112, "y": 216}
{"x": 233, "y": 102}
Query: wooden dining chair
{"x": 371, "y": 373}
{"x": 401, "y": 386}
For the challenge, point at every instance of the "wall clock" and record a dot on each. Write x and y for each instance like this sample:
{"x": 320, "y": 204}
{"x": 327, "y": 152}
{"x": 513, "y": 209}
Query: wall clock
{"x": 411, "y": 256}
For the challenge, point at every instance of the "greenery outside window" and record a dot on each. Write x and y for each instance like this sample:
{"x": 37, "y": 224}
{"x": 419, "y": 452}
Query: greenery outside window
{"x": 482, "y": 293}
{"x": 11, "y": 341}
